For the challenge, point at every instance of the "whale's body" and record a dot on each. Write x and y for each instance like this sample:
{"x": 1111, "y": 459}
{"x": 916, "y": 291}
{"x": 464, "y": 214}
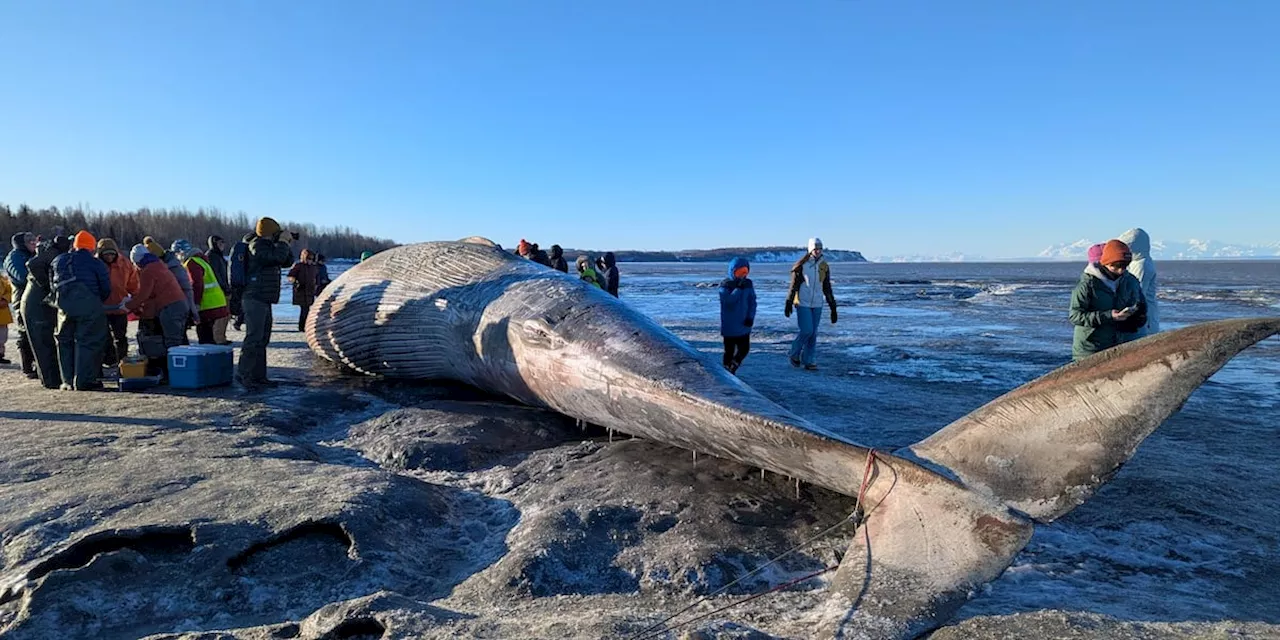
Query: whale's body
{"x": 940, "y": 521}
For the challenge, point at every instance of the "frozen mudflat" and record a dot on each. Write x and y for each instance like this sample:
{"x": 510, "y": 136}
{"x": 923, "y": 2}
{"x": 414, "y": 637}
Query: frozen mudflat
{"x": 339, "y": 507}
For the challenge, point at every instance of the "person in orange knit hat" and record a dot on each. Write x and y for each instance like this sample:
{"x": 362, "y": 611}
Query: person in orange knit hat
{"x": 81, "y": 284}
{"x": 1107, "y": 302}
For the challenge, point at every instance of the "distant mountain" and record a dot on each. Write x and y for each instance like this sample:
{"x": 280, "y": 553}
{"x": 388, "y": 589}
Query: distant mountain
{"x": 1172, "y": 250}
{"x": 754, "y": 254}
{"x": 1078, "y": 250}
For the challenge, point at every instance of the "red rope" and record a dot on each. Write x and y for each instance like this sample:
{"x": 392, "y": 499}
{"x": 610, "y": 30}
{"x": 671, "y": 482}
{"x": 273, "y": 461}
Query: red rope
{"x": 866, "y": 477}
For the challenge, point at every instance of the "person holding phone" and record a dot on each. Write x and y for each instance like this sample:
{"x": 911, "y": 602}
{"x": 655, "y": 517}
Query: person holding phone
{"x": 1107, "y": 302}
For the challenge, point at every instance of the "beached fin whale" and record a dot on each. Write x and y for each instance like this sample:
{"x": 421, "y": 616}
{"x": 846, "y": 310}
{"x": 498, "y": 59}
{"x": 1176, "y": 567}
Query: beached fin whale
{"x": 469, "y": 312}
{"x": 472, "y": 313}
{"x": 1045, "y": 447}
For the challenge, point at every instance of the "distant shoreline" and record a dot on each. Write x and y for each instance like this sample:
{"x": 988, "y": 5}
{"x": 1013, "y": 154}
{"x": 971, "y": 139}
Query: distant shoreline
{"x": 753, "y": 254}
{"x": 962, "y": 262}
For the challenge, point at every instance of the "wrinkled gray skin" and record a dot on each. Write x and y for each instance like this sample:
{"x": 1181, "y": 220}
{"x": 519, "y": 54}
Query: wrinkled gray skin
{"x": 470, "y": 312}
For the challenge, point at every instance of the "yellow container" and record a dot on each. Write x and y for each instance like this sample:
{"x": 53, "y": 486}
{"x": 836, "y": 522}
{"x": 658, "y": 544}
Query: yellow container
{"x": 133, "y": 369}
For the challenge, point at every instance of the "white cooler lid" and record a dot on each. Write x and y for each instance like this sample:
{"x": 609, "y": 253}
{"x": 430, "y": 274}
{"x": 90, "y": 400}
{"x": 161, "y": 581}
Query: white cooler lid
{"x": 199, "y": 350}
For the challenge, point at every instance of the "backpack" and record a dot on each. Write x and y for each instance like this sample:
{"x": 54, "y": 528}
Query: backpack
{"x": 238, "y": 266}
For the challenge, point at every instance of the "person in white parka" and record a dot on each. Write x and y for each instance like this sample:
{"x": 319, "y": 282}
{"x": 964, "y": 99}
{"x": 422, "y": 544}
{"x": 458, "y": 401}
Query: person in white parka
{"x": 1144, "y": 269}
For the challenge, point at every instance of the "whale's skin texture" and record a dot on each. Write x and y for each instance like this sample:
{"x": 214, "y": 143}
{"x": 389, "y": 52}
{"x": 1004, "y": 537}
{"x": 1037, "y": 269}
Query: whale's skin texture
{"x": 470, "y": 312}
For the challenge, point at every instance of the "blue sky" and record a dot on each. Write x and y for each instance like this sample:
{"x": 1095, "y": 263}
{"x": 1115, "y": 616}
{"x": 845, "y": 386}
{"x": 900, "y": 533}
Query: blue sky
{"x": 990, "y": 127}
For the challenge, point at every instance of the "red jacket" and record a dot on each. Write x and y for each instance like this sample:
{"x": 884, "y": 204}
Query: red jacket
{"x": 157, "y": 289}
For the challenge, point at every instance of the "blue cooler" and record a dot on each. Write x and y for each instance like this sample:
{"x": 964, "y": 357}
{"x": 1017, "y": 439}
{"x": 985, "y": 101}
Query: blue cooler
{"x": 200, "y": 366}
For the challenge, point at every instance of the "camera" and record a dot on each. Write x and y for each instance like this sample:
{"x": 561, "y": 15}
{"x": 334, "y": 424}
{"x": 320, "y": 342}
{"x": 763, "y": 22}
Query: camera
{"x": 293, "y": 234}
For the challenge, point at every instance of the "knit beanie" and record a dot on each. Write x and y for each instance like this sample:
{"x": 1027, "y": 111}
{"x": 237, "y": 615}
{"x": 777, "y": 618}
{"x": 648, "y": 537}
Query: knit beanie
{"x": 182, "y": 247}
{"x": 138, "y": 252}
{"x": 1116, "y": 252}
{"x": 107, "y": 245}
{"x": 1095, "y": 252}
{"x": 85, "y": 240}
{"x": 815, "y": 243}
{"x": 267, "y": 228}
{"x": 154, "y": 247}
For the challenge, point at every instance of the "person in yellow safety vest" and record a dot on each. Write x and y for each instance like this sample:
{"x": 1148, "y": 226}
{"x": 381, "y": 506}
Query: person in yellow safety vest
{"x": 588, "y": 274}
{"x": 208, "y": 294}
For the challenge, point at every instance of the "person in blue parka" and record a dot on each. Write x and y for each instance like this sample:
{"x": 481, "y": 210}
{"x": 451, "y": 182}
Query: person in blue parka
{"x": 737, "y": 313}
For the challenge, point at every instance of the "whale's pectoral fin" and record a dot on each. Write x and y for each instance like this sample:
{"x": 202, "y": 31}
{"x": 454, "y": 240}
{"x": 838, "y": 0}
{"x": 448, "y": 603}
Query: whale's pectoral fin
{"x": 925, "y": 545}
{"x": 1045, "y": 447}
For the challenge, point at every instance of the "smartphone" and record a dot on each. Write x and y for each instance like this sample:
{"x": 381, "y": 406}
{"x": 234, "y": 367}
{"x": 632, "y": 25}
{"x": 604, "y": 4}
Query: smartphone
{"x": 1130, "y": 310}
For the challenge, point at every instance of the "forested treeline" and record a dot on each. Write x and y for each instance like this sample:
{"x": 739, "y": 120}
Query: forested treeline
{"x": 128, "y": 228}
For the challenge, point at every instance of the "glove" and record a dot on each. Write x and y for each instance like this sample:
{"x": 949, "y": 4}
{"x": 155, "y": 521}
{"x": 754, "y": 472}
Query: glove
{"x": 787, "y": 311}
{"x": 285, "y": 236}
{"x": 749, "y": 322}
{"x": 833, "y": 315}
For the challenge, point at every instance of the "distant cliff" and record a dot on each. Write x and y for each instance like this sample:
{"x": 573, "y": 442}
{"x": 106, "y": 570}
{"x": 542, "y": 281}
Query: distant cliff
{"x": 754, "y": 254}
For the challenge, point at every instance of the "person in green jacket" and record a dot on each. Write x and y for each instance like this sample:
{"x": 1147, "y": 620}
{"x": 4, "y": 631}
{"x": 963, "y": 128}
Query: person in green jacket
{"x": 587, "y": 274}
{"x": 1107, "y": 303}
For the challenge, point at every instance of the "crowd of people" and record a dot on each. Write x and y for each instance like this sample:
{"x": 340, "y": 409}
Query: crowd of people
{"x": 72, "y": 298}
{"x": 1115, "y": 300}
{"x": 601, "y": 272}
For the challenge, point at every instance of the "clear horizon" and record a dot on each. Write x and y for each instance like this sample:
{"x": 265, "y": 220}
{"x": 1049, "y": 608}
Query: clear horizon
{"x": 994, "y": 128}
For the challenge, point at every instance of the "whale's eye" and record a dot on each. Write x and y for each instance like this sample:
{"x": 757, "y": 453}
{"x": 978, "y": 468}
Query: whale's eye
{"x": 539, "y": 331}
